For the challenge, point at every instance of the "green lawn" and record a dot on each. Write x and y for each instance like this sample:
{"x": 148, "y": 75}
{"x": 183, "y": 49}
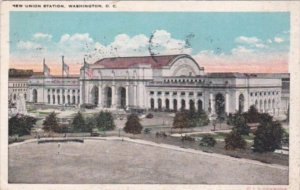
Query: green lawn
{"x": 220, "y": 136}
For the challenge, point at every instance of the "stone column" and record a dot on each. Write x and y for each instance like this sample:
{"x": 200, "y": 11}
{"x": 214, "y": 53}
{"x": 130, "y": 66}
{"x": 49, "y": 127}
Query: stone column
{"x": 113, "y": 96}
{"x": 163, "y": 102}
{"x": 155, "y": 100}
{"x": 100, "y": 104}
{"x": 227, "y": 103}
{"x": 61, "y": 96}
{"x": 171, "y": 106}
{"x": 134, "y": 95}
{"x": 187, "y": 101}
{"x": 212, "y": 103}
{"x": 127, "y": 95}
{"x": 178, "y": 101}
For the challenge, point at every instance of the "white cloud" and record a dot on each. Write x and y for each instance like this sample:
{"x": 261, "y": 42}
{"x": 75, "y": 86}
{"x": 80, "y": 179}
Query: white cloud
{"x": 160, "y": 43}
{"x": 247, "y": 40}
{"x": 42, "y": 36}
{"x": 278, "y": 40}
{"x": 28, "y": 45}
{"x": 241, "y": 50}
{"x": 250, "y": 41}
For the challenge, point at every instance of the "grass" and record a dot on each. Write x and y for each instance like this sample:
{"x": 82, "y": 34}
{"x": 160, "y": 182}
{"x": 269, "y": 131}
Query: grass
{"x": 220, "y": 136}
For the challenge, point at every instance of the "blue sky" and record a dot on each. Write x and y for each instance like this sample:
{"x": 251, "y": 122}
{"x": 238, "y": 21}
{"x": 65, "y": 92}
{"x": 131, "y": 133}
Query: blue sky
{"x": 38, "y": 34}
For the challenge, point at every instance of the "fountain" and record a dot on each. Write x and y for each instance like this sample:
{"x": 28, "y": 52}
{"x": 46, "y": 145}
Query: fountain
{"x": 20, "y": 106}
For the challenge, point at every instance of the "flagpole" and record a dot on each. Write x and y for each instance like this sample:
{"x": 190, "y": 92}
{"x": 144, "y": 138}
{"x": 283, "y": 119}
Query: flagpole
{"x": 83, "y": 84}
{"x": 63, "y": 81}
{"x": 44, "y": 81}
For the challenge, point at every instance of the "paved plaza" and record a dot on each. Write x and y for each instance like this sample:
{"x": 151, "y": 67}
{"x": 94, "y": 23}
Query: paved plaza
{"x": 123, "y": 162}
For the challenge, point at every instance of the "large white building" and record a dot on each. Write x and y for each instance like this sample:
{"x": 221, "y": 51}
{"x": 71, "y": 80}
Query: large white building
{"x": 169, "y": 82}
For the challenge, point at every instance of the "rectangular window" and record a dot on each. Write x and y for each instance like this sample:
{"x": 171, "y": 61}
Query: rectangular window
{"x": 167, "y": 93}
{"x": 174, "y": 93}
{"x": 191, "y": 93}
{"x": 151, "y": 92}
{"x": 159, "y": 93}
{"x": 182, "y": 93}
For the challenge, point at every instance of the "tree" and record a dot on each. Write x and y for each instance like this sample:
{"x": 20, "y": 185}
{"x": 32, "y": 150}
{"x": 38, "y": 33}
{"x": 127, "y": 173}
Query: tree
{"x": 50, "y": 123}
{"x": 181, "y": 120}
{"x": 234, "y": 140}
{"x": 193, "y": 117}
{"x": 202, "y": 118}
{"x": 252, "y": 115}
{"x": 239, "y": 122}
{"x": 196, "y": 119}
{"x": 104, "y": 121}
{"x": 90, "y": 123}
{"x": 133, "y": 125}
{"x": 78, "y": 123}
{"x": 21, "y": 125}
{"x": 268, "y": 137}
{"x": 208, "y": 140}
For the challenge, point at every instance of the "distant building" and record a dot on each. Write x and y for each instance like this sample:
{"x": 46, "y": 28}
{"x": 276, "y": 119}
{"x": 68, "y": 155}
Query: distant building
{"x": 18, "y": 83}
{"x": 54, "y": 90}
{"x": 170, "y": 82}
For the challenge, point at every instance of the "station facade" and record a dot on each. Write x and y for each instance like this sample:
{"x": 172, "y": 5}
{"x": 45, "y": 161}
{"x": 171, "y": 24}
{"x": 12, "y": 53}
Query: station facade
{"x": 169, "y": 82}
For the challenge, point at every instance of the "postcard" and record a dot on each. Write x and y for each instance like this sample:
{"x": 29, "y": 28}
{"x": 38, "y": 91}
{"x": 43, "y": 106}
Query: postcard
{"x": 150, "y": 95}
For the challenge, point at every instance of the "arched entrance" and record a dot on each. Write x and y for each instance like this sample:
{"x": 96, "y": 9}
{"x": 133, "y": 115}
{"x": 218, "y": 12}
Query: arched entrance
{"x": 241, "y": 103}
{"x": 94, "y": 93}
{"x": 152, "y": 103}
{"x": 269, "y": 105}
{"x": 183, "y": 104}
{"x": 220, "y": 105}
{"x": 74, "y": 99}
{"x": 34, "y": 96}
{"x": 58, "y": 99}
{"x": 167, "y": 102}
{"x": 159, "y": 103}
{"x": 122, "y": 97}
{"x": 200, "y": 105}
{"x": 48, "y": 99}
{"x": 175, "y": 104}
{"x": 63, "y": 99}
{"x": 53, "y": 98}
{"x": 192, "y": 105}
{"x": 108, "y": 97}
{"x": 68, "y": 97}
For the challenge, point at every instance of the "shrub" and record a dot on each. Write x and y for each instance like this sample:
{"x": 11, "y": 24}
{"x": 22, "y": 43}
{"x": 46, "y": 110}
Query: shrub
{"x": 133, "y": 125}
{"x": 50, "y": 123}
{"x": 240, "y": 124}
{"x": 234, "y": 140}
{"x": 268, "y": 137}
{"x": 20, "y": 125}
{"x": 187, "y": 138}
{"x": 181, "y": 120}
{"x": 104, "y": 121}
{"x": 78, "y": 123}
{"x": 252, "y": 115}
{"x": 88, "y": 106}
{"x": 208, "y": 141}
{"x": 203, "y": 119}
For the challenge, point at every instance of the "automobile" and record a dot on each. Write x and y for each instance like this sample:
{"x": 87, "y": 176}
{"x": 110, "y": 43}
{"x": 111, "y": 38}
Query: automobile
{"x": 95, "y": 132}
{"x": 147, "y": 130}
{"x": 149, "y": 115}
